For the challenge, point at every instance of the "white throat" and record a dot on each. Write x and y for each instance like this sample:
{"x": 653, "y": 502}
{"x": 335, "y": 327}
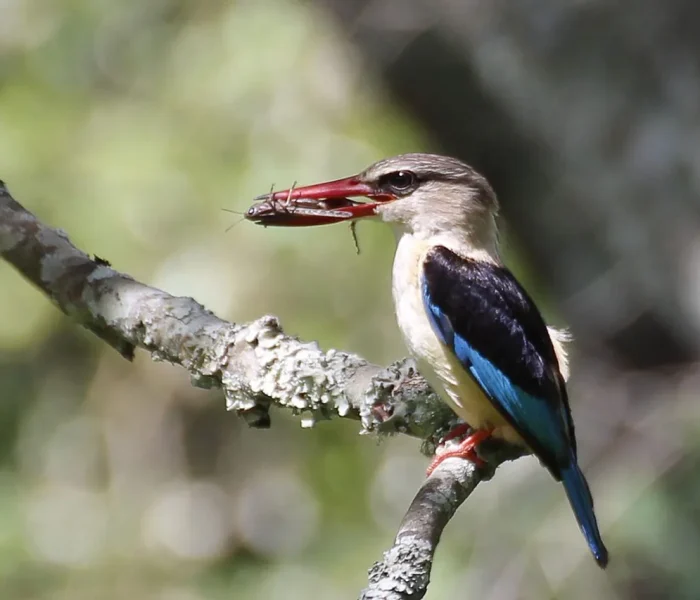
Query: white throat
{"x": 459, "y": 242}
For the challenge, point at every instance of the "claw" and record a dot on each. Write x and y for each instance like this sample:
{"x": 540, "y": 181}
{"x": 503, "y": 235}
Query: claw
{"x": 466, "y": 448}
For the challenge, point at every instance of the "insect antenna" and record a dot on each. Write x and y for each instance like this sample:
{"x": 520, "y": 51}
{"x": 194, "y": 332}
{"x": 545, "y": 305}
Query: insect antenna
{"x": 233, "y": 212}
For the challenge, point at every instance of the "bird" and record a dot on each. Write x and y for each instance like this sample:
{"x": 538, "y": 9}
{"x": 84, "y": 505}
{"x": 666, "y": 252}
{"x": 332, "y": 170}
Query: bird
{"x": 474, "y": 331}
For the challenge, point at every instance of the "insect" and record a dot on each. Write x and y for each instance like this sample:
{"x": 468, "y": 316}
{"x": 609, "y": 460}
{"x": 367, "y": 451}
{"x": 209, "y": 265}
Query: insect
{"x": 290, "y": 212}
{"x": 297, "y": 211}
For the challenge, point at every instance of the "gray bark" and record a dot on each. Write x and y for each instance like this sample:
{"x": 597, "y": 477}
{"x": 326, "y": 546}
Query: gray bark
{"x": 257, "y": 366}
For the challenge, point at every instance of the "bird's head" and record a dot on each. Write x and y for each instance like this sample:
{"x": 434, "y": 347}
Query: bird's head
{"x": 423, "y": 194}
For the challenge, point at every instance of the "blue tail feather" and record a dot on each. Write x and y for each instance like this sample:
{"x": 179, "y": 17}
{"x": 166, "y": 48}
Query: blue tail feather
{"x": 582, "y": 504}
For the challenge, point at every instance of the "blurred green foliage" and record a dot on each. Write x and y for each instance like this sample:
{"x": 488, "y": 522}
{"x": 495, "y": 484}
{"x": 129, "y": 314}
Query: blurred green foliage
{"x": 131, "y": 125}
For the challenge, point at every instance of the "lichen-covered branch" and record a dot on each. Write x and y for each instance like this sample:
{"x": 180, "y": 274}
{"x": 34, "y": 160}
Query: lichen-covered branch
{"x": 257, "y": 366}
{"x": 404, "y": 571}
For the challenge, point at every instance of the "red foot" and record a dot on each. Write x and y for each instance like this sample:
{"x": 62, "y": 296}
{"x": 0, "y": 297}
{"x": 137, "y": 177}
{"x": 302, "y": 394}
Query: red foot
{"x": 466, "y": 448}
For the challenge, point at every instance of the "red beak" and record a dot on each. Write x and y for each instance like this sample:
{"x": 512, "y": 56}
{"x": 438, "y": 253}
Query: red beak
{"x": 318, "y": 204}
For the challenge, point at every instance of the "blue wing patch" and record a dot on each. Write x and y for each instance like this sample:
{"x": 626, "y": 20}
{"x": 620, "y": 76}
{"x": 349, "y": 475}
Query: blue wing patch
{"x": 486, "y": 318}
{"x": 528, "y": 413}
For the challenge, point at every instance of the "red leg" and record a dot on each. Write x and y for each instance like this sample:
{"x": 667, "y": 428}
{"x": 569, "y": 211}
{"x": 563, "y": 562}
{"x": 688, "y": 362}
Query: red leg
{"x": 466, "y": 449}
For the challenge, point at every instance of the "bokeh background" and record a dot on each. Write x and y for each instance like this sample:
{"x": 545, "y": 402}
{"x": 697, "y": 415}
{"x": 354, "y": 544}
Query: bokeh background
{"x": 131, "y": 125}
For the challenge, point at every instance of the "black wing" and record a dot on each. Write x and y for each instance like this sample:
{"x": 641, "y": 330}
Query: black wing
{"x": 485, "y": 316}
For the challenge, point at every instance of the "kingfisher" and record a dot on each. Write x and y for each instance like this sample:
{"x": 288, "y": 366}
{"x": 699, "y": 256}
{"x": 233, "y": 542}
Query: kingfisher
{"x": 474, "y": 331}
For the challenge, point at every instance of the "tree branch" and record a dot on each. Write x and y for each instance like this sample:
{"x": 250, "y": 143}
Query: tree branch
{"x": 404, "y": 571}
{"x": 257, "y": 366}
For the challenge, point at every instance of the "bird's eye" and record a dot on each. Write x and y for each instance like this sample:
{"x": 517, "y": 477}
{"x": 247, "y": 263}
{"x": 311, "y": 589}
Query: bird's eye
{"x": 400, "y": 182}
